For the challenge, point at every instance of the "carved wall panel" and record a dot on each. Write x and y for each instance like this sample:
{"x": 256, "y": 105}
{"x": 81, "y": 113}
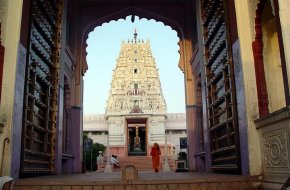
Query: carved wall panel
{"x": 275, "y": 149}
{"x": 275, "y": 146}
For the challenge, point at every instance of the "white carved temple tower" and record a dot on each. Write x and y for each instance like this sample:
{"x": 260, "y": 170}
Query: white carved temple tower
{"x": 136, "y": 109}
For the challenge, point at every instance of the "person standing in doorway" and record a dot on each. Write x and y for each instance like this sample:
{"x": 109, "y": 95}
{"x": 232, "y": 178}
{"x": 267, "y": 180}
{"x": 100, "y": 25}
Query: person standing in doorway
{"x": 155, "y": 153}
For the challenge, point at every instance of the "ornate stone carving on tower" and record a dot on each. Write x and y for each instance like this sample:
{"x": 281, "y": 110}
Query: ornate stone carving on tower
{"x": 135, "y": 98}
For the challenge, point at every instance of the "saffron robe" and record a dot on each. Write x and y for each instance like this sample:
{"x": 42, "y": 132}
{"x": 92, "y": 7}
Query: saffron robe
{"x": 155, "y": 153}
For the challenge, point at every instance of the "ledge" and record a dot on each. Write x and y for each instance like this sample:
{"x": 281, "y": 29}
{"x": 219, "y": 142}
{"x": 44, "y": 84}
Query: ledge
{"x": 67, "y": 156}
{"x": 200, "y": 154}
{"x": 274, "y": 117}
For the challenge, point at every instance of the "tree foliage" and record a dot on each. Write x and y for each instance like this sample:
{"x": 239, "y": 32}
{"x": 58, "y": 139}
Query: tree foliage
{"x": 90, "y": 157}
{"x": 182, "y": 156}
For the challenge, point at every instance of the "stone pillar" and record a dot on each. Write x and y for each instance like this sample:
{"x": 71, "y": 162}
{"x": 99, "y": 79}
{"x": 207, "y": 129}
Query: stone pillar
{"x": 166, "y": 166}
{"x": 191, "y": 129}
{"x": 77, "y": 138}
{"x": 248, "y": 79}
{"x": 17, "y": 114}
{"x": 108, "y": 167}
{"x": 59, "y": 134}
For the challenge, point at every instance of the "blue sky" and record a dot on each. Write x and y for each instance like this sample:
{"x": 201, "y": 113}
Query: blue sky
{"x": 104, "y": 44}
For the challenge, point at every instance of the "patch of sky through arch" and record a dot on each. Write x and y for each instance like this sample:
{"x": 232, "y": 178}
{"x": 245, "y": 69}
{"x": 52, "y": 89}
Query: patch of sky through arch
{"x": 104, "y": 44}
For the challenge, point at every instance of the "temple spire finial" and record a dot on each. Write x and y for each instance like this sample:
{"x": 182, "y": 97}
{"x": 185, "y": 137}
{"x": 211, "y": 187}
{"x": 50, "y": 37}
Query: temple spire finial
{"x": 135, "y": 35}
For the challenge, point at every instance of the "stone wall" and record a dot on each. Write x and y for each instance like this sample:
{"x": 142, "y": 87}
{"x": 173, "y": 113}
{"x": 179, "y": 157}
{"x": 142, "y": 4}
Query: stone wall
{"x": 274, "y": 134}
{"x": 96, "y": 126}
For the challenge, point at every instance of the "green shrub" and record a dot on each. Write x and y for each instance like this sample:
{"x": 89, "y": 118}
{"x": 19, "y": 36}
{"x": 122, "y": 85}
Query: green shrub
{"x": 182, "y": 156}
{"x": 95, "y": 153}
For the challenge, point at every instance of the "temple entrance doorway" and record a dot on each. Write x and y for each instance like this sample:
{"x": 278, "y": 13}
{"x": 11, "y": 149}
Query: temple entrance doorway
{"x": 137, "y": 137}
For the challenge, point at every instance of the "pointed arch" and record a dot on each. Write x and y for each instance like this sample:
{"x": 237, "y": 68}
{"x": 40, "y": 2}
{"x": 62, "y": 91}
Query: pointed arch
{"x": 264, "y": 88}
{"x": 257, "y": 46}
{"x": 122, "y": 14}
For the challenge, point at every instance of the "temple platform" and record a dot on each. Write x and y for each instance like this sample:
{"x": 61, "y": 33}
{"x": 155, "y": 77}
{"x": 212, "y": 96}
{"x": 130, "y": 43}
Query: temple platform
{"x": 142, "y": 163}
{"x": 147, "y": 180}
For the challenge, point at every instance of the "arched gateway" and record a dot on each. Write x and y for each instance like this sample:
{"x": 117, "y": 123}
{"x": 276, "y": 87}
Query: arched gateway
{"x": 224, "y": 93}
{"x": 223, "y": 152}
{"x": 40, "y": 153}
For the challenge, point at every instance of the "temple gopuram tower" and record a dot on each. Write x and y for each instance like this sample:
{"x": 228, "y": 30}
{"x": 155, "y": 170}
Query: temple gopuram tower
{"x": 136, "y": 109}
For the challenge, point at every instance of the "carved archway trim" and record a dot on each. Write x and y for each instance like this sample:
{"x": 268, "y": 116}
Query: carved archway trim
{"x": 257, "y": 46}
{"x": 122, "y": 14}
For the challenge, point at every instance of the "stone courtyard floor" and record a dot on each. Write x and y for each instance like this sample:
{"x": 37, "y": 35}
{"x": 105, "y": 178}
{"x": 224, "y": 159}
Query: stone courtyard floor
{"x": 117, "y": 176}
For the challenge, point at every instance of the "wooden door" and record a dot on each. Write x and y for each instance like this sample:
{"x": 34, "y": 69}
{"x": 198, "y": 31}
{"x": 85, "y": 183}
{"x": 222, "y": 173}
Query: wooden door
{"x": 221, "y": 91}
{"x": 41, "y": 89}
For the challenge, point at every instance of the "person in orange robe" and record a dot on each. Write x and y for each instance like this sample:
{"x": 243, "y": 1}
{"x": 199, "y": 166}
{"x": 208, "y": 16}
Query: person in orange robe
{"x": 155, "y": 153}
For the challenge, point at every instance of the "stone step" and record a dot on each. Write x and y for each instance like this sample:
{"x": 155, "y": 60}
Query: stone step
{"x": 142, "y": 163}
{"x": 146, "y": 181}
